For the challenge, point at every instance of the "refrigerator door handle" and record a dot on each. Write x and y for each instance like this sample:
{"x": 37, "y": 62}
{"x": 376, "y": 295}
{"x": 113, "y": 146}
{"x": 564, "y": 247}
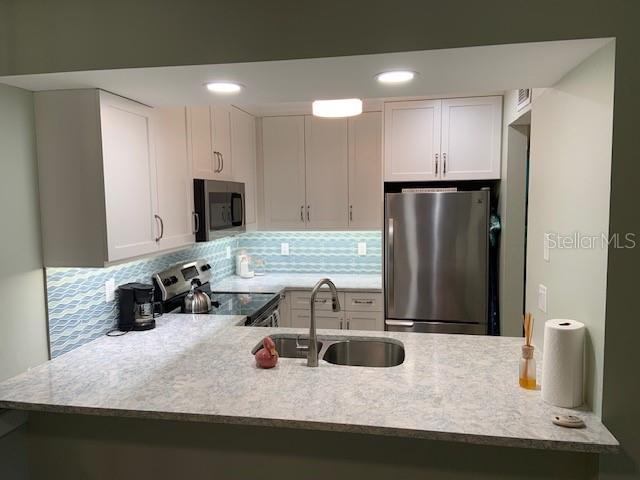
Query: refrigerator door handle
{"x": 399, "y": 323}
{"x": 390, "y": 273}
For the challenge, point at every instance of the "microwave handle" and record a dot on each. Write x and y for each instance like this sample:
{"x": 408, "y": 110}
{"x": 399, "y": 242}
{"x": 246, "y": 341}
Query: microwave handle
{"x": 241, "y": 221}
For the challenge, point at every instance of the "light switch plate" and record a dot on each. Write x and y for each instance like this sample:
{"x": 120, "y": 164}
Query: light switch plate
{"x": 228, "y": 251}
{"x": 545, "y": 252}
{"x": 362, "y": 248}
{"x": 284, "y": 249}
{"x": 110, "y": 290}
{"x": 542, "y": 298}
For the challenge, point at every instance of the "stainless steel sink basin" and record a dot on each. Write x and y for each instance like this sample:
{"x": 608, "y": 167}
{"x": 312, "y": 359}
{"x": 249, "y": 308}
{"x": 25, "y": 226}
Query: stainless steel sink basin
{"x": 289, "y": 347}
{"x": 365, "y": 353}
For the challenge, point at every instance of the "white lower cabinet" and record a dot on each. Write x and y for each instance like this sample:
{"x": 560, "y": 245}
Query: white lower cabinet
{"x": 284, "y": 310}
{"x": 324, "y": 320}
{"x": 359, "y": 311}
{"x": 365, "y": 321}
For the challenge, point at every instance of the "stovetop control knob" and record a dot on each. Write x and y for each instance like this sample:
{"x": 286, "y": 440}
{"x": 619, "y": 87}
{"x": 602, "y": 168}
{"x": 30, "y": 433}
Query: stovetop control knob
{"x": 173, "y": 279}
{"x": 166, "y": 282}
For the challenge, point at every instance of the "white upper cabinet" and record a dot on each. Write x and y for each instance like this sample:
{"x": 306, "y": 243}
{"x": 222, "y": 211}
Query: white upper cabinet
{"x": 114, "y": 178}
{"x": 175, "y": 185}
{"x": 133, "y": 227}
{"x": 326, "y": 173}
{"x": 365, "y": 171}
{"x": 411, "y": 140}
{"x": 243, "y": 145}
{"x": 209, "y": 135}
{"x": 451, "y": 139}
{"x": 199, "y": 142}
{"x": 283, "y": 172}
{"x": 221, "y": 142}
{"x": 471, "y": 133}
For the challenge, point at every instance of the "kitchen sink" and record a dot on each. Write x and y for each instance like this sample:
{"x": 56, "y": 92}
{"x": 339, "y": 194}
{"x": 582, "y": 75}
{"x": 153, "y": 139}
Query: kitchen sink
{"x": 365, "y": 353}
{"x": 340, "y": 350}
{"x": 289, "y": 347}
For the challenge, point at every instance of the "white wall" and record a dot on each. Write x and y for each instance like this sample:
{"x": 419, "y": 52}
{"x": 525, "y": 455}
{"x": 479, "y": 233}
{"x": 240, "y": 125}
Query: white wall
{"x": 23, "y": 326}
{"x": 569, "y": 186}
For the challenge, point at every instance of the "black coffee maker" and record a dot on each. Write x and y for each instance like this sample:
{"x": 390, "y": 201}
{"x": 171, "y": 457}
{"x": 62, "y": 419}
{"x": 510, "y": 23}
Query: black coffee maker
{"x": 137, "y": 307}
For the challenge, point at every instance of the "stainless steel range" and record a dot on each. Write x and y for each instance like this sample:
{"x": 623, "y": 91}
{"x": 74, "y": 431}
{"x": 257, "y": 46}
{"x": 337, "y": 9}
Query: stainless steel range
{"x": 186, "y": 288}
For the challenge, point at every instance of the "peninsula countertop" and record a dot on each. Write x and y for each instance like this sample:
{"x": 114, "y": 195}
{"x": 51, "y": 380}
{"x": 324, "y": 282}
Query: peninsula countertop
{"x": 277, "y": 282}
{"x": 199, "y": 368}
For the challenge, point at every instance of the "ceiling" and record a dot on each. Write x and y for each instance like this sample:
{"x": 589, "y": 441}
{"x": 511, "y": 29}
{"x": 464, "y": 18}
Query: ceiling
{"x": 281, "y": 86}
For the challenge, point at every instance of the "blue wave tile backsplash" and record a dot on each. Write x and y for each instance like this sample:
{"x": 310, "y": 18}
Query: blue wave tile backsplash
{"x": 310, "y": 252}
{"x": 78, "y": 312}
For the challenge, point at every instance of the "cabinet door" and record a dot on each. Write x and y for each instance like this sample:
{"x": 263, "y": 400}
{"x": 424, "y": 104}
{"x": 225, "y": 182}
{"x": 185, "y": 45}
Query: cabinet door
{"x": 411, "y": 140}
{"x": 365, "y": 171}
{"x": 326, "y": 172}
{"x": 200, "y": 146}
{"x": 284, "y": 172}
{"x": 129, "y": 177}
{"x": 471, "y": 138}
{"x": 221, "y": 141}
{"x": 243, "y": 145}
{"x": 324, "y": 320}
{"x": 365, "y": 321}
{"x": 175, "y": 186}
{"x": 301, "y": 300}
{"x": 284, "y": 308}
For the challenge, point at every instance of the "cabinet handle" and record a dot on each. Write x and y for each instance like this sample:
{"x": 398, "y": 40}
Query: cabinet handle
{"x": 217, "y": 162}
{"x": 302, "y": 213}
{"x": 351, "y": 213}
{"x": 341, "y": 324}
{"x": 436, "y": 164}
{"x": 159, "y": 218}
{"x": 444, "y": 163}
{"x": 221, "y": 162}
{"x": 363, "y": 302}
{"x": 321, "y": 300}
{"x": 308, "y": 214}
{"x": 348, "y": 324}
{"x": 196, "y": 218}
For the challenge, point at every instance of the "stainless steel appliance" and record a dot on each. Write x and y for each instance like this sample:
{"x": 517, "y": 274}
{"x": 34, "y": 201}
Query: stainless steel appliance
{"x": 218, "y": 208}
{"x": 136, "y": 307}
{"x": 186, "y": 288}
{"x": 436, "y": 261}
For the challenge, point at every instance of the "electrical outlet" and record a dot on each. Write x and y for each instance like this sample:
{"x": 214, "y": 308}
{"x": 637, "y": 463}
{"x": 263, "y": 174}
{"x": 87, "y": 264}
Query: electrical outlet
{"x": 228, "y": 251}
{"x": 542, "y": 298}
{"x": 110, "y": 290}
{"x": 284, "y": 249}
{"x": 545, "y": 252}
{"x": 362, "y": 248}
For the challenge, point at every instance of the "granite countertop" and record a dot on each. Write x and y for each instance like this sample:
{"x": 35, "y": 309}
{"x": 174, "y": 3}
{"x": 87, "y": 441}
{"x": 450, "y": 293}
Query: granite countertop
{"x": 276, "y": 282}
{"x": 199, "y": 368}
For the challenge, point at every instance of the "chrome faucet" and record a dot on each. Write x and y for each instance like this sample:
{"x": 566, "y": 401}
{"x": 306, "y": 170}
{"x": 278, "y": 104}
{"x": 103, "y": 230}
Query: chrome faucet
{"x": 312, "y": 353}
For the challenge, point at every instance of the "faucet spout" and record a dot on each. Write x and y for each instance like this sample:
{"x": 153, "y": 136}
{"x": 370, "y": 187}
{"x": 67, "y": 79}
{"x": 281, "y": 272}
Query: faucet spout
{"x": 312, "y": 353}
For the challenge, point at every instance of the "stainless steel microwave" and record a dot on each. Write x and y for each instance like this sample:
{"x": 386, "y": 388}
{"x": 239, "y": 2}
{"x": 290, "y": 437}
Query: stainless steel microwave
{"x": 218, "y": 209}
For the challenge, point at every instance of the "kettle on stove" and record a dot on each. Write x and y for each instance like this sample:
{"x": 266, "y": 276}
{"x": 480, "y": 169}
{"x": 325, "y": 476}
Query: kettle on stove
{"x": 196, "y": 300}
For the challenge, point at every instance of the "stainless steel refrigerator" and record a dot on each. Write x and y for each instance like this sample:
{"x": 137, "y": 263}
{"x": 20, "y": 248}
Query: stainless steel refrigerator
{"x": 437, "y": 262}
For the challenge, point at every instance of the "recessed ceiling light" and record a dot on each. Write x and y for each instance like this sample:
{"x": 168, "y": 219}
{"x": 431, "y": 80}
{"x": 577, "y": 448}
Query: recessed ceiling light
{"x": 396, "y": 76}
{"x": 345, "y": 107}
{"x": 224, "y": 87}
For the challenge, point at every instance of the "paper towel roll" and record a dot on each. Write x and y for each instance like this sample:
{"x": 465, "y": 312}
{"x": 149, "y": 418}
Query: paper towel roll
{"x": 562, "y": 363}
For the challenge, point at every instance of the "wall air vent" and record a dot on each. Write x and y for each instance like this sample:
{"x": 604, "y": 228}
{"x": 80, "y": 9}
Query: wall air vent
{"x": 524, "y": 97}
